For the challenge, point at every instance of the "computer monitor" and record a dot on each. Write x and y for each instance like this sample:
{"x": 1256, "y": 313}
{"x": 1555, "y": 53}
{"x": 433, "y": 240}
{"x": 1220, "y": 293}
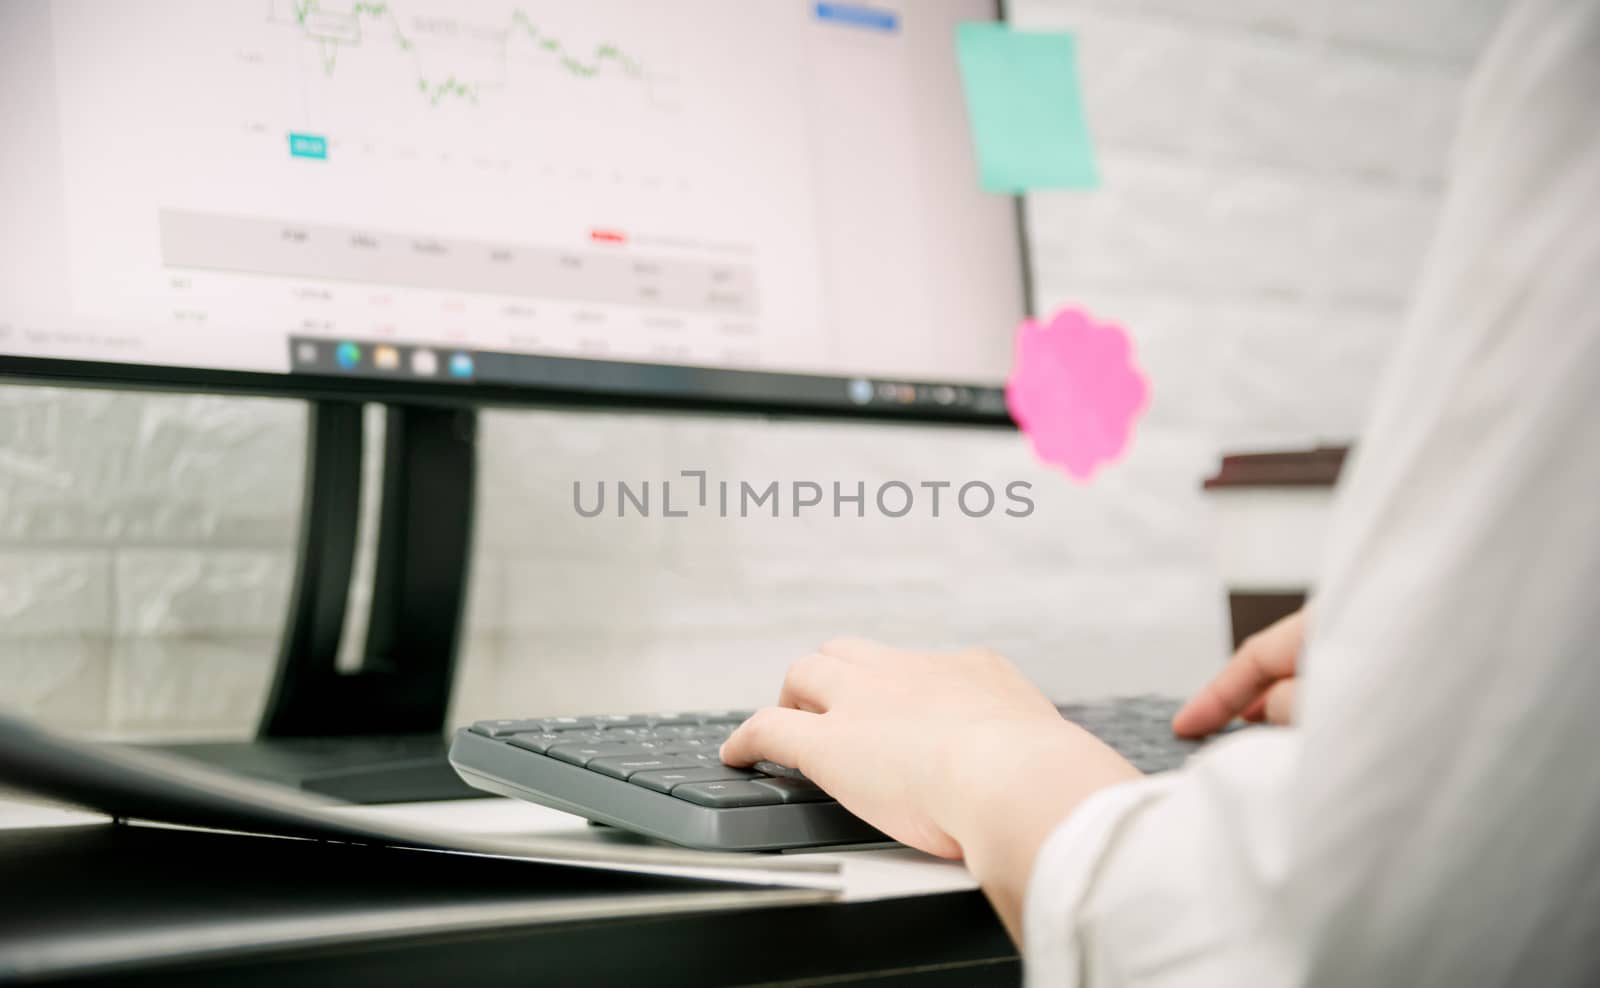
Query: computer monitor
{"x": 736, "y": 205}
{"x": 703, "y": 203}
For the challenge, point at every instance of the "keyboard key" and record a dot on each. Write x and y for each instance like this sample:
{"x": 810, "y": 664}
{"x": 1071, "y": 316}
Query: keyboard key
{"x": 687, "y": 746}
{"x": 674, "y": 720}
{"x": 624, "y": 766}
{"x": 539, "y": 741}
{"x": 620, "y": 720}
{"x": 633, "y": 732}
{"x": 585, "y": 752}
{"x": 726, "y": 794}
{"x": 591, "y": 737}
{"x": 665, "y": 747}
{"x": 676, "y": 730}
{"x": 662, "y": 780}
{"x": 566, "y": 724}
{"x": 725, "y": 716}
{"x": 505, "y": 728}
{"x": 795, "y": 790}
{"x": 780, "y": 771}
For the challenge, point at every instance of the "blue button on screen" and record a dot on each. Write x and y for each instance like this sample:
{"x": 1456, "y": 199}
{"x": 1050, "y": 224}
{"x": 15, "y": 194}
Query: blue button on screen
{"x": 308, "y": 146}
{"x": 858, "y": 15}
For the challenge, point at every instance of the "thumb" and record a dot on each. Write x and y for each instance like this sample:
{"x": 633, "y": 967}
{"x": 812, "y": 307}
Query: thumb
{"x": 1279, "y": 706}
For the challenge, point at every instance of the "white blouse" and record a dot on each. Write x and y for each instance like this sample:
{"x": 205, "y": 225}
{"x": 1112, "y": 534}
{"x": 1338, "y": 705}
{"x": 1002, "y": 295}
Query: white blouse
{"x": 1434, "y": 816}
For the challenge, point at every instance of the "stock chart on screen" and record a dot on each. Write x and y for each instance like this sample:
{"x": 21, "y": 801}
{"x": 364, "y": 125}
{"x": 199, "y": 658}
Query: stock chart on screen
{"x": 713, "y": 183}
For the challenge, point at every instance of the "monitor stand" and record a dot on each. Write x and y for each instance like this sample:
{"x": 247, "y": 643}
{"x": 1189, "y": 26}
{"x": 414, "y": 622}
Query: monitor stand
{"x": 374, "y": 734}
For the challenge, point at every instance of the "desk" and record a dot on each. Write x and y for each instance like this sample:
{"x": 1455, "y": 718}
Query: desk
{"x": 132, "y": 903}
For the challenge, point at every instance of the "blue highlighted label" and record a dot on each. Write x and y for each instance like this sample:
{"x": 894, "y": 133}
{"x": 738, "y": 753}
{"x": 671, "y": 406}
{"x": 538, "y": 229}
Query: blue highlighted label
{"x": 461, "y": 365}
{"x": 308, "y": 146}
{"x": 859, "y": 15}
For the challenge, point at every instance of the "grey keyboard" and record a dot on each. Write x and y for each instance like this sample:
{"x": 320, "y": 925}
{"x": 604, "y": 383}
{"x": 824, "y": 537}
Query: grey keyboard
{"x": 1138, "y": 727}
{"x": 660, "y": 774}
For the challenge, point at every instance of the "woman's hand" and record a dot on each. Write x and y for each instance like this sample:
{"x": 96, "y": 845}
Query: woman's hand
{"x": 956, "y": 754}
{"x": 1256, "y": 684}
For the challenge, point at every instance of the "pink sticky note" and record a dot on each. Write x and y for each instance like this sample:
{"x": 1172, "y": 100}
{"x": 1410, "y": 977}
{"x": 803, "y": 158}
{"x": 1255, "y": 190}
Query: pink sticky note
{"x": 1075, "y": 391}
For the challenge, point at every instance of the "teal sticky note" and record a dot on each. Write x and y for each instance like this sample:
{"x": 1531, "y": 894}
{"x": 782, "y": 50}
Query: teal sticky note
{"x": 1025, "y": 109}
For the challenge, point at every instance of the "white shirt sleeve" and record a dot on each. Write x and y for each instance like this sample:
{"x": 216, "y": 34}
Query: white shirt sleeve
{"x": 1434, "y": 816}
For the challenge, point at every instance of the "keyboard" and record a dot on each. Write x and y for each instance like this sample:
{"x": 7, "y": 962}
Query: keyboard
{"x": 660, "y": 775}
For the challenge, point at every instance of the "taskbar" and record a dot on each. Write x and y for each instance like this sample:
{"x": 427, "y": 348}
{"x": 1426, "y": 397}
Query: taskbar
{"x": 421, "y": 363}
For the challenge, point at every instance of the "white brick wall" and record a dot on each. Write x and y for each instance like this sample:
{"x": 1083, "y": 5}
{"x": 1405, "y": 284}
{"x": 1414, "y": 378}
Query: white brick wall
{"x": 1272, "y": 172}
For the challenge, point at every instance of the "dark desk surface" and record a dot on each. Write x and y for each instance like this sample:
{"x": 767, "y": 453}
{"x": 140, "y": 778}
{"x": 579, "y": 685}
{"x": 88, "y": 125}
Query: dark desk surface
{"x": 135, "y": 905}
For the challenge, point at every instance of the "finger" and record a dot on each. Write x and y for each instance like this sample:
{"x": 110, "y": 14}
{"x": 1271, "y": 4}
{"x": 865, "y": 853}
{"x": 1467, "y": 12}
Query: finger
{"x": 1262, "y": 660}
{"x": 1280, "y": 702}
{"x": 812, "y": 682}
{"x": 1239, "y": 685}
{"x": 774, "y": 734}
{"x": 1257, "y": 711}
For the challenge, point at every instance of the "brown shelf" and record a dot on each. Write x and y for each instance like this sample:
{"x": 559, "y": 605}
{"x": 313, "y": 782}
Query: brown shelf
{"x": 1317, "y": 467}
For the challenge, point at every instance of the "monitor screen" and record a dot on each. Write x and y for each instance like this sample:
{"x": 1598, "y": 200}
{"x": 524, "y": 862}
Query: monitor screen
{"x": 717, "y": 201}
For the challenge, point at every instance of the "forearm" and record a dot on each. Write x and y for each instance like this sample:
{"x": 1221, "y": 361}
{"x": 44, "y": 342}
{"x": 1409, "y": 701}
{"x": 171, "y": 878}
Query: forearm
{"x": 1010, "y": 789}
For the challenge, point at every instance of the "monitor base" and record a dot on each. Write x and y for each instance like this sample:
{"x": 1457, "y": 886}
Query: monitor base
{"x": 371, "y": 769}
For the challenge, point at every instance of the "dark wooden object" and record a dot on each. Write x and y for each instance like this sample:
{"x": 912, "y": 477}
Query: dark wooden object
{"x": 1249, "y": 612}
